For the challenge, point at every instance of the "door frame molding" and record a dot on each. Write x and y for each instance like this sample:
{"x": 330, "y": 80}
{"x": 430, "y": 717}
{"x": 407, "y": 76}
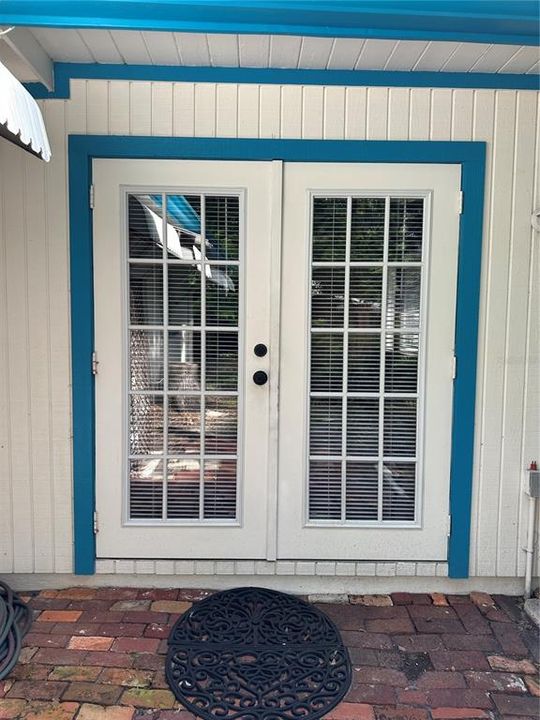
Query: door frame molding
{"x": 82, "y": 149}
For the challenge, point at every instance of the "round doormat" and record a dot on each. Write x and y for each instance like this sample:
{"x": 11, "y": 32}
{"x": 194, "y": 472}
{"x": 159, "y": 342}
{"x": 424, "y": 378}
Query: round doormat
{"x": 257, "y": 654}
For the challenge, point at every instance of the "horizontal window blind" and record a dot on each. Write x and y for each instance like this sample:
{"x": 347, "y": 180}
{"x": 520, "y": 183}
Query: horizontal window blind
{"x": 183, "y": 325}
{"x": 366, "y": 324}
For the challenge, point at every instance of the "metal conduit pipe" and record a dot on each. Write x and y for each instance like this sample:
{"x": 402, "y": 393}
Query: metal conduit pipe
{"x": 533, "y": 492}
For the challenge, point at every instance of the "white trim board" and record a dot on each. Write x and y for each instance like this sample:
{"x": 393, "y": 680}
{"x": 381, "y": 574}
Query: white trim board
{"x": 294, "y": 584}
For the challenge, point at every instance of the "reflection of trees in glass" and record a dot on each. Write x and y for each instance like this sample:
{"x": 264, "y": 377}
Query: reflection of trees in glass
{"x": 365, "y": 297}
{"x": 406, "y": 229}
{"x": 221, "y": 425}
{"x": 184, "y": 294}
{"x": 325, "y": 426}
{"x": 222, "y": 295}
{"x": 221, "y": 361}
{"x": 367, "y": 229}
{"x": 329, "y": 229}
{"x": 327, "y": 296}
{"x": 184, "y": 424}
{"x": 401, "y": 363}
{"x": 222, "y": 223}
{"x": 403, "y": 298}
{"x": 399, "y": 489}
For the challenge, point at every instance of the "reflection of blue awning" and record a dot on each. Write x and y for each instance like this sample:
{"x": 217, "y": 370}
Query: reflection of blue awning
{"x": 182, "y": 215}
{"x": 185, "y": 220}
{"x": 20, "y": 117}
{"x": 180, "y": 212}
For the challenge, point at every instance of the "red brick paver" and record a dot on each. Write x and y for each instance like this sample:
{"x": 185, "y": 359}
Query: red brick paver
{"x": 98, "y": 654}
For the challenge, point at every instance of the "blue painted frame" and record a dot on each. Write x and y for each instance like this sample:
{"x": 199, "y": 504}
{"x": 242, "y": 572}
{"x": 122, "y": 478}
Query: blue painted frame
{"x": 487, "y": 21}
{"x": 64, "y": 72}
{"x": 470, "y": 155}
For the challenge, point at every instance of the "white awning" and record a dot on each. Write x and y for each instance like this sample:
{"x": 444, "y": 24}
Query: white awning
{"x": 20, "y": 117}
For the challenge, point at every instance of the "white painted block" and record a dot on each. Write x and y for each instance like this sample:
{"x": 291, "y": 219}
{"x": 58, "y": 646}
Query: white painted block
{"x": 184, "y": 567}
{"x": 104, "y": 567}
{"x": 124, "y": 567}
{"x": 365, "y": 568}
{"x": 385, "y": 569}
{"x": 442, "y": 570}
{"x": 263, "y": 567}
{"x": 426, "y": 569}
{"x": 340, "y": 598}
{"x": 164, "y": 567}
{"x": 245, "y": 567}
{"x": 345, "y": 568}
{"x": 145, "y": 567}
{"x": 205, "y": 567}
{"x": 406, "y": 568}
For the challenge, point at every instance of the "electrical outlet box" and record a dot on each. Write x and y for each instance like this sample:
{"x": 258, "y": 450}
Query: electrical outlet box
{"x": 534, "y": 483}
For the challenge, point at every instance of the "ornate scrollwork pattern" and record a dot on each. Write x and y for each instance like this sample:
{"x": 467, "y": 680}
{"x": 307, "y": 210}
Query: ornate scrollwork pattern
{"x": 257, "y": 654}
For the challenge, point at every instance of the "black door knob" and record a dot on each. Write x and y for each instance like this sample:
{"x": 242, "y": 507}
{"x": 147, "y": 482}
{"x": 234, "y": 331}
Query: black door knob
{"x": 260, "y": 350}
{"x": 260, "y": 377}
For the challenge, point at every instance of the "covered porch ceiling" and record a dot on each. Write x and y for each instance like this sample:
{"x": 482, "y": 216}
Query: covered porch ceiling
{"x": 446, "y": 36}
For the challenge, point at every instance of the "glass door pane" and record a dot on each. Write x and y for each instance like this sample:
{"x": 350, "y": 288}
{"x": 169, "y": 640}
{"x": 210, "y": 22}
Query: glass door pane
{"x": 366, "y": 317}
{"x": 184, "y": 318}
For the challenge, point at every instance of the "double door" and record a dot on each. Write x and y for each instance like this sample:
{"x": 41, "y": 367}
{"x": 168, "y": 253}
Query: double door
{"x": 275, "y": 345}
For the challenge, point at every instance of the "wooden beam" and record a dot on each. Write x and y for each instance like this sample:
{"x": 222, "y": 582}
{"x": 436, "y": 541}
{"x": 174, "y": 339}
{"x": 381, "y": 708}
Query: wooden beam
{"x": 24, "y": 44}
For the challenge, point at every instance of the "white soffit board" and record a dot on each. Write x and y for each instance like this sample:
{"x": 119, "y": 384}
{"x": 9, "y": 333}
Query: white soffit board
{"x": 21, "y": 121}
{"x": 133, "y": 47}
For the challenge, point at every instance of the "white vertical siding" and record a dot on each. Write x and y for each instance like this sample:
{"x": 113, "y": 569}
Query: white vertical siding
{"x": 35, "y": 425}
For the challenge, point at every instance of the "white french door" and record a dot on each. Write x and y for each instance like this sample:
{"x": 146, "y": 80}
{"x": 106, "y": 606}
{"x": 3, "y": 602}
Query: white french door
{"x": 195, "y": 456}
{"x": 182, "y": 288}
{"x": 367, "y": 346}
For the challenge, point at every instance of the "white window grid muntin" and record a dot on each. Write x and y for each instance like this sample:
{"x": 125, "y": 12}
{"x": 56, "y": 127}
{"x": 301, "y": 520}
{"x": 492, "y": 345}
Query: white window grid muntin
{"x": 202, "y": 393}
{"x": 418, "y": 460}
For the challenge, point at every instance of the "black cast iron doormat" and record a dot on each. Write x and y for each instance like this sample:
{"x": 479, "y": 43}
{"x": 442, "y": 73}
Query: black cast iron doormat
{"x": 257, "y": 654}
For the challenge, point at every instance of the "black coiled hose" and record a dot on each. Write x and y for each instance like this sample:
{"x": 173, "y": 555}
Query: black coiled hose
{"x": 15, "y": 621}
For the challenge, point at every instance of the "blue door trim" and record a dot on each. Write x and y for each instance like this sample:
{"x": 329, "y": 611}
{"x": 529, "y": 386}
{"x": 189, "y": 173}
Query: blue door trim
{"x": 486, "y": 21}
{"x": 471, "y": 157}
{"x": 64, "y": 72}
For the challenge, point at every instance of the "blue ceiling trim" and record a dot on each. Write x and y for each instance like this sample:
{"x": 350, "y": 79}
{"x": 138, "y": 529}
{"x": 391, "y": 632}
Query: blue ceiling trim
{"x": 490, "y": 21}
{"x": 64, "y": 72}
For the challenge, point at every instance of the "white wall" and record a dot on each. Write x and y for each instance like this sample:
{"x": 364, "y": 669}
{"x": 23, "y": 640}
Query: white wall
{"x": 35, "y": 425}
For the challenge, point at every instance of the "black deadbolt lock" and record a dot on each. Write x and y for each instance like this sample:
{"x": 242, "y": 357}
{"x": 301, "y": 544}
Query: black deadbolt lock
{"x": 260, "y": 350}
{"x": 260, "y": 377}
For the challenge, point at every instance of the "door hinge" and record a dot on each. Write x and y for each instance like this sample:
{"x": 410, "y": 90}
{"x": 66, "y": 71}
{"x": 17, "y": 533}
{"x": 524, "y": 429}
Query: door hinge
{"x": 454, "y": 367}
{"x": 460, "y": 202}
{"x": 91, "y": 197}
{"x": 95, "y": 363}
{"x": 96, "y": 526}
{"x": 448, "y": 526}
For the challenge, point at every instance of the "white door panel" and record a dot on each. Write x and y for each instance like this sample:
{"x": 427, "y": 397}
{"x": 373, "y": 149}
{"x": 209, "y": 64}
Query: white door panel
{"x": 174, "y": 323}
{"x": 365, "y": 439}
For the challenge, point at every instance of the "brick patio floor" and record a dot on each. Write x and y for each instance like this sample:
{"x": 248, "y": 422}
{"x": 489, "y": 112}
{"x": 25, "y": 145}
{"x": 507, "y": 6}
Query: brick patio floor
{"x": 98, "y": 653}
